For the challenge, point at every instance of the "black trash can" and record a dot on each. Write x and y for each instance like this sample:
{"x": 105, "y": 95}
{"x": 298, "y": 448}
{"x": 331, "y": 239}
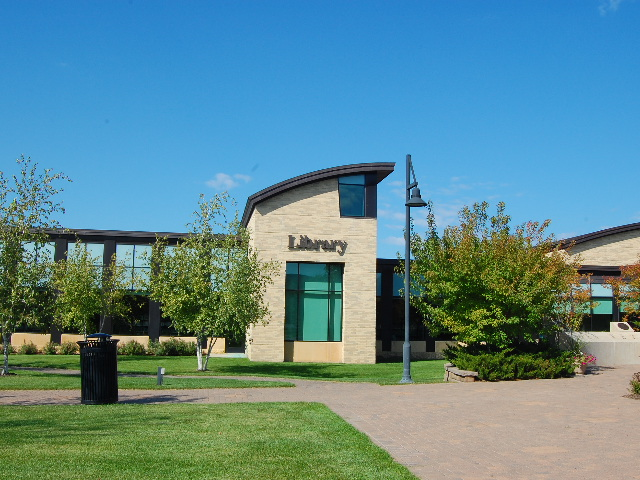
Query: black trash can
{"x": 99, "y": 369}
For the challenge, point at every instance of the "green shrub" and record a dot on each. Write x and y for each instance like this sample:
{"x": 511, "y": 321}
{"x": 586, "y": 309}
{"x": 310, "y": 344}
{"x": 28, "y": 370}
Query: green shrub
{"x": 50, "y": 348}
{"x": 153, "y": 347}
{"x": 172, "y": 347}
{"x": 513, "y": 363}
{"x": 28, "y": 349}
{"x": 634, "y": 384}
{"x": 131, "y": 347}
{"x": 69, "y": 348}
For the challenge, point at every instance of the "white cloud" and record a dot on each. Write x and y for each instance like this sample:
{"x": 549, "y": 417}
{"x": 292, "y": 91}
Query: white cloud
{"x": 222, "y": 181}
{"x": 608, "y": 6}
{"x": 244, "y": 178}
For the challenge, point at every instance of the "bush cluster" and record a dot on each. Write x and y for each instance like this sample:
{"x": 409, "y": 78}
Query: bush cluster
{"x": 172, "y": 347}
{"x": 131, "y": 347}
{"x": 634, "y": 384}
{"x": 28, "y": 349}
{"x": 69, "y": 348}
{"x": 50, "y": 348}
{"x": 513, "y": 363}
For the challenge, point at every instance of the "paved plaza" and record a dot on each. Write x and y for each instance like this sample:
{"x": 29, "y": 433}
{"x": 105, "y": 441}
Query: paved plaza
{"x": 574, "y": 428}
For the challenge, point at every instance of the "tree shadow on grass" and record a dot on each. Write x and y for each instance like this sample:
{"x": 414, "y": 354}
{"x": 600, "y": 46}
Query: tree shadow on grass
{"x": 290, "y": 370}
{"x": 158, "y": 399}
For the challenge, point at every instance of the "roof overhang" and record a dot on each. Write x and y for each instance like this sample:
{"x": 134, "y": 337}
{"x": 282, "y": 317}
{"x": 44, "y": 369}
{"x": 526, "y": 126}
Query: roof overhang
{"x": 599, "y": 234}
{"x": 381, "y": 169}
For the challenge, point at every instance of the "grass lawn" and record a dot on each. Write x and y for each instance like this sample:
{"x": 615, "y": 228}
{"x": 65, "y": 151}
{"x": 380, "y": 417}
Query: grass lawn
{"x": 430, "y": 371}
{"x": 181, "y": 441}
{"x": 33, "y": 380}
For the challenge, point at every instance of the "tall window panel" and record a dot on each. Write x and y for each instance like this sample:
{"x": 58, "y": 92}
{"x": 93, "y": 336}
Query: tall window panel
{"x": 137, "y": 260}
{"x": 313, "y": 302}
{"x": 352, "y": 195}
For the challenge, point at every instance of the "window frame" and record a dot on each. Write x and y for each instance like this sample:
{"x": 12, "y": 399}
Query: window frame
{"x": 369, "y": 193}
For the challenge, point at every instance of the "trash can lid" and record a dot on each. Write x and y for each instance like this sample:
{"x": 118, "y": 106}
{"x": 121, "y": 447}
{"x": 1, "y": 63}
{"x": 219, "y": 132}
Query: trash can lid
{"x": 102, "y": 336}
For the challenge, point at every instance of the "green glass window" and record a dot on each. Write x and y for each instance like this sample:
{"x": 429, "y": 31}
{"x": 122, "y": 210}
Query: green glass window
{"x": 313, "y": 302}
{"x": 603, "y": 306}
{"x": 601, "y": 312}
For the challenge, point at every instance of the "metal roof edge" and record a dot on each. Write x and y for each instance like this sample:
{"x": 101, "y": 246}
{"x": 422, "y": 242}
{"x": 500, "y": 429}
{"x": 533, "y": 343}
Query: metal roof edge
{"x": 383, "y": 169}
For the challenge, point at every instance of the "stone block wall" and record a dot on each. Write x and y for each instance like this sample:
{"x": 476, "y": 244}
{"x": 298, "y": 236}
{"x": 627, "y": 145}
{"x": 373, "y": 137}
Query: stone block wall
{"x": 611, "y": 250}
{"x": 312, "y": 211}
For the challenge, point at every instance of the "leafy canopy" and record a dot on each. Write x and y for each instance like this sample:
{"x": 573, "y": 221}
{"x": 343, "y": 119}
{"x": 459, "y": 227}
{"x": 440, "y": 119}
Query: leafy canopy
{"x": 211, "y": 283}
{"x": 626, "y": 289}
{"x": 485, "y": 281}
{"x": 85, "y": 288}
{"x": 27, "y": 208}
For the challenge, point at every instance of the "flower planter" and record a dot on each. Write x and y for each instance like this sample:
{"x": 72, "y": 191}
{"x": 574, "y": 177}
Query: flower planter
{"x": 580, "y": 369}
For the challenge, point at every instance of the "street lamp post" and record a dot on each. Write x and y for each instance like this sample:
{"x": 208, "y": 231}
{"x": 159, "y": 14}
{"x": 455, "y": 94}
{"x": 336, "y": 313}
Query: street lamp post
{"x": 413, "y": 200}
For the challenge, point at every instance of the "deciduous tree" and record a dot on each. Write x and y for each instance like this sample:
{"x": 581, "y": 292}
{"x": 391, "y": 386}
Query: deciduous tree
{"x": 626, "y": 288}
{"x": 485, "y": 281}
{"x": 28, "y": 204}
{"x": 212, "y": 283}
{"x": 85, "y": 288}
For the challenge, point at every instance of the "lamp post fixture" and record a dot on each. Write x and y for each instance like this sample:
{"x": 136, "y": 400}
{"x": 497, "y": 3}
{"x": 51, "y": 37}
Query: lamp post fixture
{"x": 413, "y": 200}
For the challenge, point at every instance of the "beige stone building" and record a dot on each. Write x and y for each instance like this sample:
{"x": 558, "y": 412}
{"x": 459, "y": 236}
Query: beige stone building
{"x": 602, "y": 254}
{"x": 321, "y": 228}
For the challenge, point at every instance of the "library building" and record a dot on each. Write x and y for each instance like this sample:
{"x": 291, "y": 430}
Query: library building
{"x": 333, "y": 300}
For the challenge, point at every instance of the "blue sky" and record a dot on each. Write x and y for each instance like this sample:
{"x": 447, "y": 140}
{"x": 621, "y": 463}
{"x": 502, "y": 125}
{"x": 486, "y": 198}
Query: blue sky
{"x": 147, "y": 104}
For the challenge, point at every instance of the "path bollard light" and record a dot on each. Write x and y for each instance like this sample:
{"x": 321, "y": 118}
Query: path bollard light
{"x": 98, "y": 369}
{"x": 160, "y": 375}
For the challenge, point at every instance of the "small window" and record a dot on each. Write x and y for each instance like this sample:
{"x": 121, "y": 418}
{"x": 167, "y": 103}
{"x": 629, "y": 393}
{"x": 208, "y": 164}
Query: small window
{"x": 352, "y": 195}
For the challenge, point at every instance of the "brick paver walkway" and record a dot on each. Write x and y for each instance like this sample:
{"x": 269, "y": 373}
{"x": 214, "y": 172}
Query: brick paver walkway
{"x": 574, "y": 428}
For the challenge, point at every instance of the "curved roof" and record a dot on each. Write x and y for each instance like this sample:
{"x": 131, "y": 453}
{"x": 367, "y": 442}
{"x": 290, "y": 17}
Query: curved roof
{"x": 600, "y": 234}
{"x": 381, "y": 169}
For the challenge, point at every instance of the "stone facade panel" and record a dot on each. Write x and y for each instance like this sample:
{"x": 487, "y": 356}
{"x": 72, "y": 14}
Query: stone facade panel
{"x": 313, "y": 211}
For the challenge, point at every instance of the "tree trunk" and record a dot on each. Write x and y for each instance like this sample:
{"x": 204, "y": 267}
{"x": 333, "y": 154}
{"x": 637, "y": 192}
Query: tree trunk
{"x": 6, "y": 342}
{"x": 201, "y": 365}
{"x": 213, "y": 342}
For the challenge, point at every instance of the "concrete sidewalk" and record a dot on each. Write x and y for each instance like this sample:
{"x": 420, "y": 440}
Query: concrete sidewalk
{"x": 574, "y": 428}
